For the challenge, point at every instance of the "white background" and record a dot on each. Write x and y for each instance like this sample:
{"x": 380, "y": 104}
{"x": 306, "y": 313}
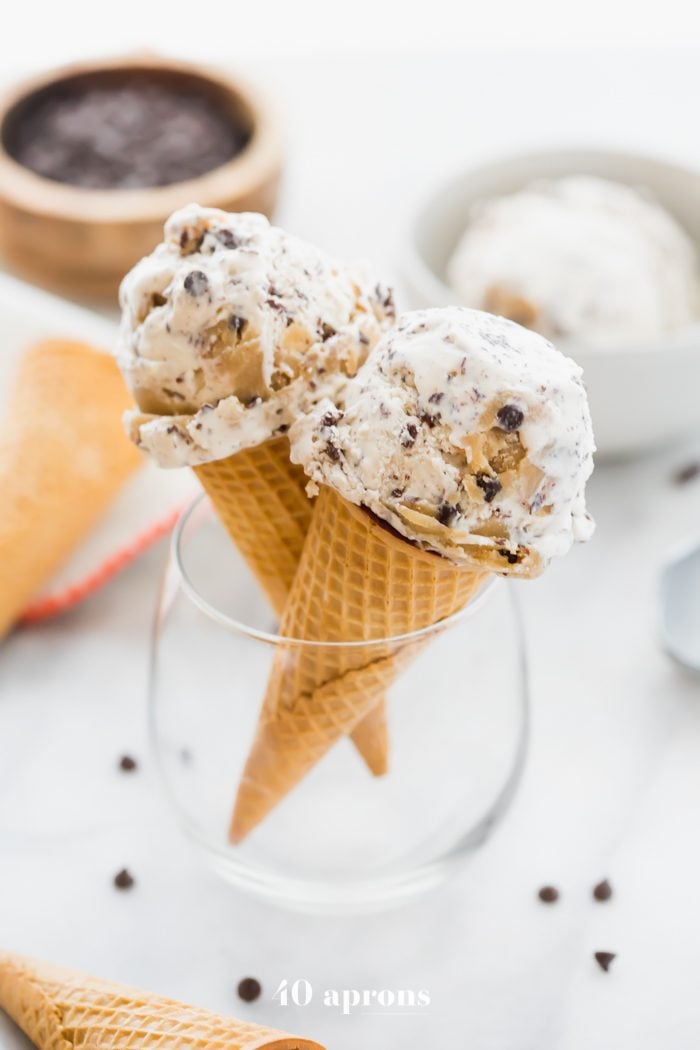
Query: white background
{"x": 613, "y": 784}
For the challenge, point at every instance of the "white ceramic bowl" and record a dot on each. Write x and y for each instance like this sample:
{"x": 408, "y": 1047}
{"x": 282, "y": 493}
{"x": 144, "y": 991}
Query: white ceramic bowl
{"x": 641, "y": 395}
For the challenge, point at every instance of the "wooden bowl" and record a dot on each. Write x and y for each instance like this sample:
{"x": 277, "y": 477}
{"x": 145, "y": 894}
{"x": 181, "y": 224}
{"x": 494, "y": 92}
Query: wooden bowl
{"x": 82, "y": 241}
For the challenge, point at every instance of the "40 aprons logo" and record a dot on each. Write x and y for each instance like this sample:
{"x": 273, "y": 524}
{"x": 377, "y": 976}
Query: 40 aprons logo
{"x": 365, "y": 1000}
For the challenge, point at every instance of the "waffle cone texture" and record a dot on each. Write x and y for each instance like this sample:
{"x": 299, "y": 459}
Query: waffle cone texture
{"x": 260, "y": 497}
{"x": 63, "y": 458}
{"x": 357, "y": 580}
{"x": 60, "y": 1009}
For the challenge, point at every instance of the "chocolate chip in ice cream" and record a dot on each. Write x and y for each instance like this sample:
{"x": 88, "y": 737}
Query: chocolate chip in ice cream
{"x": 447, "y": 513}
{"x": 509, "y": 418}
{"x": 332, "y": 451}
{"x": 249, "y": 989}
{"x": 604, "y": 959}
{"x": 548, "y": 894}
{"x": 236, "y": 323}
{"x": 490, "y": 486}
{"x": 602, "y": 891}
{"x": 196, "y": 282}
{"x": 409, "y": 436}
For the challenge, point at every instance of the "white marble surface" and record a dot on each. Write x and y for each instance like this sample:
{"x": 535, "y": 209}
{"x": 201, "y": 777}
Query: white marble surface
{"x": 612, "y": 787}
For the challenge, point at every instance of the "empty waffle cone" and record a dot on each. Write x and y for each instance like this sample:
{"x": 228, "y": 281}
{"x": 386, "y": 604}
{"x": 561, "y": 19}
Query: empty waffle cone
{"x": 63, "y": 458}
{"x": 59, "y": 1009}
{"x": 357, "y": 580}
{"x": 260, "y": 497}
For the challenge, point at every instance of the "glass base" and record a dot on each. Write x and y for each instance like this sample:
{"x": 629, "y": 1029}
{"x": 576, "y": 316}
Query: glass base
{"x": 342, "y": 840}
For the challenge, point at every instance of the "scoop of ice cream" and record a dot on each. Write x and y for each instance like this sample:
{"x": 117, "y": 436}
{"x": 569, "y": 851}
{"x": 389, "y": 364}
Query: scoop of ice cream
{"x": 578, "y": 257}
{"x": 468, "y": 434}
{"x": 231, "y": 327}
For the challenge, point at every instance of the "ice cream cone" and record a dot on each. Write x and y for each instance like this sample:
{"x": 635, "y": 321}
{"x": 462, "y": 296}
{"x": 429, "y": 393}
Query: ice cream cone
{"x": 63, "y": 457}
{"x": 58, "y": 1008}
{"x": 357, "y": 581}
{"x": 260, "y": 497}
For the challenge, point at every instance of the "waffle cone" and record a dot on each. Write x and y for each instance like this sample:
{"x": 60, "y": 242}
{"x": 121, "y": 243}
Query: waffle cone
{"x": 260, "y": 497}
{"x": 59, "y": 1009}
{"x": 357, "y": 580}
{"x": 63, "y": 458}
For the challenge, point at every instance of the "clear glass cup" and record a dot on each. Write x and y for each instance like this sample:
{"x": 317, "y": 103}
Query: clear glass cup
{"x": 342, "y": 839}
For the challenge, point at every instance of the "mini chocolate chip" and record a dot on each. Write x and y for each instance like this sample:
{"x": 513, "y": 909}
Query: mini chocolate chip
{"x": 227, "y": 238}
{"x": 548, "y": 894}
{"x": 603, "y": 891}
{"x": 509, "y": 418}
{"x": 362, "y": 338}
{"x": 689, "y": 472}
{"x": 332, "y": 451}
{"x": 236, "y": 323}
{"x": 489, "y": 485}
{"x": 128, "y": 764}
{"x": 446, "y": 513}
{"x": 410, "y": 435}
{"x": 397, "y": 493}
{"x": 511, "y": 558}
{"x": 436, "y": 398}
{"x": 123, "y": 880}
{"x": 283, "y": 429}
{"x": 329, "y": 419}
{"x": 430, "y": 421}
{"x": 249, "y": 989}
{"x": 196, "y": 282}
{"x": 174, "y": 394}
{"x": 384, "y": 411}
{"x": 327, "y": 331}
{"x": 604, "y": 959}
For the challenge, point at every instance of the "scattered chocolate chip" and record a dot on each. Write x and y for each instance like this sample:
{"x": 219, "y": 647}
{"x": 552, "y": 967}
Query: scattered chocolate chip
{"x": 511, "y": 558}
{"x": 329, "y": 419}
{"x": 604, "y": 959}
{"x": 332, "y": 451}
{"x": 128, "y": 764}
{"x": 397, "y": 493}
{"x": 123, "y": 880}
{"x": 436, "y": 398}
{"x": 362, "y": 338}
{"x": 447, "y": 513}
{"x": 249, "y": 989}
{"x": 227, "y": 238}
{"x": 430, "y": 421}
{"x": 327, "y": 331}
{"x": 385, "y": 298}
{"x": 509, "y": 418}
{"x": 409, "y": 436}
{"x": 548, "y": 894}
{"x": 283, "y": 429}
{"x": 689, "y": 472}
{"x": 196, "y": 283}
{"x": 490, "y": 486}
{"x": 175, "y": 394}
{"x": 603, "y": 891}
{"x": 236, "y": 323}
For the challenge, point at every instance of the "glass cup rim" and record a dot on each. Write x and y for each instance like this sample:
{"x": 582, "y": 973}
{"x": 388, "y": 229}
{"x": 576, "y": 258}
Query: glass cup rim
{"x": 239, "y": 627}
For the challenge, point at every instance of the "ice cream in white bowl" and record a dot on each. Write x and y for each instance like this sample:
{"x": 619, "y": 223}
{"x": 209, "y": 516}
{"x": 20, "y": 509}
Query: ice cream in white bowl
{"x": 642, "y": 366}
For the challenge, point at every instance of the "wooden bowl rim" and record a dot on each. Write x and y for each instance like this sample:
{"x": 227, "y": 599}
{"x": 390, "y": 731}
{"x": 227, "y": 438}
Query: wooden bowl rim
{"x": 259, "y": 160}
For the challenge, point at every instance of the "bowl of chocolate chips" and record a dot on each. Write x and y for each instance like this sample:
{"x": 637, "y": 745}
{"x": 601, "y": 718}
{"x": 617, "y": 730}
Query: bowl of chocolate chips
{"x": 93, "y": 159}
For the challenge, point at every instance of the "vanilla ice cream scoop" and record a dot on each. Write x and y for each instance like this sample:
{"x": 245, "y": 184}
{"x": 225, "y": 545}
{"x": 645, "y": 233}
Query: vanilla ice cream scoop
{"x": 468, "y": 434}
{"x": 231, "y": 327}
{"x": 579, "y": 258}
